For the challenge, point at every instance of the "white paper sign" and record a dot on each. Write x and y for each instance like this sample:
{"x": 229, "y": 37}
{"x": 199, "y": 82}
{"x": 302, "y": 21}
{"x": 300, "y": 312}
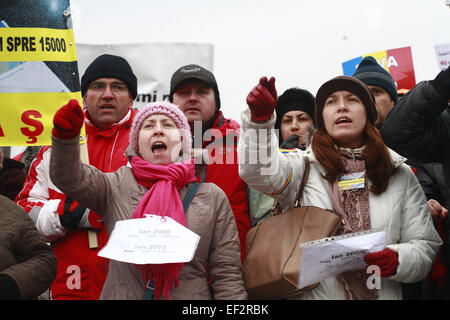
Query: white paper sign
{"x": 325, "y": 258}
{"x": 443, "y": 55}
{"x": 153, "y": 63}
{"x": 150, "y": 240}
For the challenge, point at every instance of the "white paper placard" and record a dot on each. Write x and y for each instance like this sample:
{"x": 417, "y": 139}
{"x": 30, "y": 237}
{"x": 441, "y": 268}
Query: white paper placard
{"x": 328, "y": 257}
{"x": 443, "y": 55}
{"x": 150, "y": 240}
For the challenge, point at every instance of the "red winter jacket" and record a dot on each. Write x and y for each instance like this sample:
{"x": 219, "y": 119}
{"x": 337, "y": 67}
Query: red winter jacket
{"x": 221, "y": 143}
{"x": 81, "y": 273}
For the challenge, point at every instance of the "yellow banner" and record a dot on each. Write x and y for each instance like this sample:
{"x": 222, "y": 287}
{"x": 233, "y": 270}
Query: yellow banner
{"x": 27, "y": 118}
{"x": 37, "y": 44}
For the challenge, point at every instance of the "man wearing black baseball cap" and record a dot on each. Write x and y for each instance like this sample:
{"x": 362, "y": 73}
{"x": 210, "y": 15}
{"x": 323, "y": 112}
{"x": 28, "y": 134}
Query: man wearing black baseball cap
{"x": 205, "y": 106}
{"x": 194, "y": 89}
{"x": 108, "y": 89}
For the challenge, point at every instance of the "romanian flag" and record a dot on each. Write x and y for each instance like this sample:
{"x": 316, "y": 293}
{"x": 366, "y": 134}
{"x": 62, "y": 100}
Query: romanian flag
{"x": 398, "y": 62}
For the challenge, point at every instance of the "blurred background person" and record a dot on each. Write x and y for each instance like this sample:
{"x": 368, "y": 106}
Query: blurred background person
{"x": 12, "y": 176}
{"x": 295, "y": 117}
{"x": 27, "y": 263}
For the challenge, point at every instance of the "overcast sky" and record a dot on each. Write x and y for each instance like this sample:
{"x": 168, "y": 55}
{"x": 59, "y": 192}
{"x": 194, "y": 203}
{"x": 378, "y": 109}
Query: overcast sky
{"x": 301, "y": 43}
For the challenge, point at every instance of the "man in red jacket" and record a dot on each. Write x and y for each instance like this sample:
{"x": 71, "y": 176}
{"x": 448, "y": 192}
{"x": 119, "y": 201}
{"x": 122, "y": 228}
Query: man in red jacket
{"x": 76, "y": 233}
{"x": 194, "y": 89}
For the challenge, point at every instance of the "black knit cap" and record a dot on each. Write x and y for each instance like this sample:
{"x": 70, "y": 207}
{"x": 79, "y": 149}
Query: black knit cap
{"x": 344, "y": 83}
{"x": 109, "y": 66}
{"x": 194, "y": 71}
{"x": 371, "y": 73}
{"x": 294, "y": 99}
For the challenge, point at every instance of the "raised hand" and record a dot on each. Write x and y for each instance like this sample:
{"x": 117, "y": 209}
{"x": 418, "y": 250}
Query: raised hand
{"x": 262, "y": 100}
{"x": 68, "y": 121}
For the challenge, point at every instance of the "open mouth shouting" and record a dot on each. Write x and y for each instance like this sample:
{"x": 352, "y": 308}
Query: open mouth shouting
{"x": 342, "y": 121}
{"x": 159, "y": 147}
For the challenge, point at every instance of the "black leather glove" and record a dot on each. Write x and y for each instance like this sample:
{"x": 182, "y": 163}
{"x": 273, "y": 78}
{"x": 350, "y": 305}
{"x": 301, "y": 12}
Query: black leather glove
{"x": 71, "y": 214}
{"x": 8, "y": 288}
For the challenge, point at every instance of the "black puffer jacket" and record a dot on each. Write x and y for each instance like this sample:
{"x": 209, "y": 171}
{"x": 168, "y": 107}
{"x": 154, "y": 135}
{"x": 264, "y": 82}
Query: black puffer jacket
{"x": 419, "y": 125}
{"x": 431, "y": 178}
{"x": 419, "y": 128}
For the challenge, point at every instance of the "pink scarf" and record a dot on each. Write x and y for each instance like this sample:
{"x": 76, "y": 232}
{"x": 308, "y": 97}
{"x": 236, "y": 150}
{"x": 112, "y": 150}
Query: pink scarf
{"x": 162, "y": 198}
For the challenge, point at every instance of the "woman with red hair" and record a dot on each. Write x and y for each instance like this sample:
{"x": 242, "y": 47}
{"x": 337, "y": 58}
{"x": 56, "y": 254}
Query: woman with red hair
{"x": 345, "y": 144}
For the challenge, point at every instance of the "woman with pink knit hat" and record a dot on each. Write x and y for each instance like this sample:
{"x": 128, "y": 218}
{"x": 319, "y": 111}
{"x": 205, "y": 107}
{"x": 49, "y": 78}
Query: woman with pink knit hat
{"x": 158, "y": 178}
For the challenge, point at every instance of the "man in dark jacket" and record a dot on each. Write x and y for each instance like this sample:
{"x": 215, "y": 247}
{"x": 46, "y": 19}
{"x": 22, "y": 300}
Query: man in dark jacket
{"x": 432, "y": 180}
{"x": 419, "y": 128}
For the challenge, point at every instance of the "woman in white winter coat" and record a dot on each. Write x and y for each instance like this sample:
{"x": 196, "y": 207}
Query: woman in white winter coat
{"x": 346, "y": 141}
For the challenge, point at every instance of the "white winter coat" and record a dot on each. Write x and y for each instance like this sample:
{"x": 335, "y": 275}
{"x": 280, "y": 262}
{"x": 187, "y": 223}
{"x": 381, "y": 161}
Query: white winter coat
{"x": 402, "y": 209}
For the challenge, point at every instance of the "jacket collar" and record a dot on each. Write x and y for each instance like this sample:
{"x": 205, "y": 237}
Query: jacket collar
{"x": 91, "y": 128}
{"x": 396, "y": 158}
{"x": 222, "y": 127}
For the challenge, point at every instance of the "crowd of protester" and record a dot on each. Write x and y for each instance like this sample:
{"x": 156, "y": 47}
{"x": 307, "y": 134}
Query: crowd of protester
{"x": 184, "y": 159}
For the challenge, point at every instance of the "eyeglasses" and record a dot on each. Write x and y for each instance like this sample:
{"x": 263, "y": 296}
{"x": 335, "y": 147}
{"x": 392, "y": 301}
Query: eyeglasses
{"x": 117, "y": 87}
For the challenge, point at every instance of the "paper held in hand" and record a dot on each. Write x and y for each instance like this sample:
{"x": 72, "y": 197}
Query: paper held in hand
{"x": 328, "y": 257}
{"x": 150, "y": 240}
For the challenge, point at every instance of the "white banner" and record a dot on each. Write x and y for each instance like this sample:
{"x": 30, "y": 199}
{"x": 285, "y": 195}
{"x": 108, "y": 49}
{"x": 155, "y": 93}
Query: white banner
{"x": 443, "y": 55}
{"x": 325, "y": 258}
{"x": 152, "y": 63}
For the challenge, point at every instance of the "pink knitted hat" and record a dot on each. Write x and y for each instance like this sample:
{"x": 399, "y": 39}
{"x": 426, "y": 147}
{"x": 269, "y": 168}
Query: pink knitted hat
{"x": 167, "y": 109}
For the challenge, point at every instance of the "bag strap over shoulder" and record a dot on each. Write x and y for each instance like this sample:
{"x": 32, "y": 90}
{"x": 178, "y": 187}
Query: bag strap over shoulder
{"x": 190, "y": 195}
{"x": 302, "y": 185}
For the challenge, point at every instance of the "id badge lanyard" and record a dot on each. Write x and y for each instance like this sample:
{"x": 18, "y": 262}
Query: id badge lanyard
{"x": 352, "y": 181}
